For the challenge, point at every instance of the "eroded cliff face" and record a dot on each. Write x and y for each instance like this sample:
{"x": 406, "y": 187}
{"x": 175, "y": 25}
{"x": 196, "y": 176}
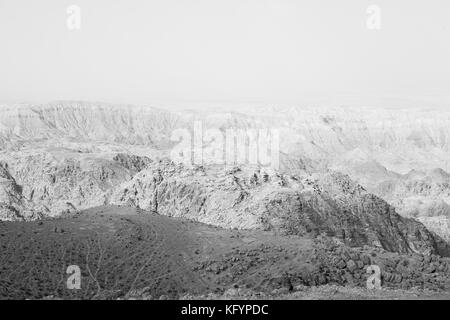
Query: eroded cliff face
{"x": 330, "y": 204}
{"x": 67, "y": 156}
{"x": 60, "y": 185}
{"x": 242, "y": 198}
{"x": 13, "y": 205}
{"x": 400, "y": 140}
{"x": 420, "y": 194}
{"x": 81, "y": 122}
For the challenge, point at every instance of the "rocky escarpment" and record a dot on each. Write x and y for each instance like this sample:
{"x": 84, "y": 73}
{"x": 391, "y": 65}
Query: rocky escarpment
{"x": 13, "y": 206}
{"x": 401, "y": 140}
{"x": 62, "y": 185}
{"x": 243, "y": 198}
{"x": 132, "y": 162}
{"x": 62, "y": 158}
{"x": 81, "y": 121}
{"x": 420, "y": 194}
{"x": 172, "y": 257}
{"x": 328, "y": 204}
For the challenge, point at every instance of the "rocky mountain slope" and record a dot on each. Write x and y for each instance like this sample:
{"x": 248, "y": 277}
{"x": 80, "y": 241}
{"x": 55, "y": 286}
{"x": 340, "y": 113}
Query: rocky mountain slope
{"x": 13, "y": 205}
{"x": 81, "y": 122}
{"x": 420, "y": 194}
{"x": 257, "y": 199}
{"x": 330, "y": 204}
{"x": 127, "y": 253}
{"x": 67, "y": 156}
{"x": 400, "y": 140}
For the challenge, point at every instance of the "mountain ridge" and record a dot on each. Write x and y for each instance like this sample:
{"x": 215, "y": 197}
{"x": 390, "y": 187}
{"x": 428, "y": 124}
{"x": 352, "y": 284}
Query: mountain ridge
{"x": 70, "y": 156}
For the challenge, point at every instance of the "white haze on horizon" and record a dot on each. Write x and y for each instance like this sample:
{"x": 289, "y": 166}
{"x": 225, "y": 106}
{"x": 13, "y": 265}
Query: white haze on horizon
{"x": 236, "y": 51}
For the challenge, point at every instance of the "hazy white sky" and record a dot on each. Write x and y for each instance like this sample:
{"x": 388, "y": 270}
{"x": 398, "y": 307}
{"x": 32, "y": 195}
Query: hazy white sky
{"x": 141, "y": 51}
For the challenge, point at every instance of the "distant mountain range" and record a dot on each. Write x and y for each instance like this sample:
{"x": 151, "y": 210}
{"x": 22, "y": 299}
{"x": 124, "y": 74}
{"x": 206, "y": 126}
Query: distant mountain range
{"x": 345, "y": 172}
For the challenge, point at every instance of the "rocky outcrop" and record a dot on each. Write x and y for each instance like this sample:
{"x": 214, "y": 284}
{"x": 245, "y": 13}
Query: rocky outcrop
{"x": 328, "y": 204}
{"x": 343, "y": 265}
{"x": 132, "y": 162}
{"x": 83, "y": 121}
{"x": 440, "y": 225}
{"x": 63, "y": 185}
{"x": 13, "y": 206}
{"x": 398, "y": 140}
{"x": 423, "y": 195}
{"x": 68, "y": 156}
